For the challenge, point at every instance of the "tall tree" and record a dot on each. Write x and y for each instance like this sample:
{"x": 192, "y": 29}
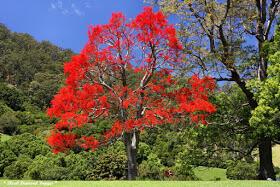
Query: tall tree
{"x": 97, "y": 85}
{"x": 217, "y": 35}
{"x": 265, "y": 117}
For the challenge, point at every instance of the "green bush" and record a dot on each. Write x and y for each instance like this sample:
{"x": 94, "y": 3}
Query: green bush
{"x": 80, "y": 164}
{"x": 110, "y": 165}
{"x": 183, "y": 168}
{"x": 12, "y": 96}
{"x": 151, "y": 169}
{"x": 277, "y": 172}
{"x": 27, "y": 144}
{"x": 61, "y": 166}
{"x": 49, "y": 167}
{"x": 4, "y": 108}
{"x": 17, "y": 169}
{"x": 8, "y": 123}
{"x": 16, "y": 154}
{"x": 143, "y": 152}
{"x": 7, "y": 157}
{"x": 242, "y": 171}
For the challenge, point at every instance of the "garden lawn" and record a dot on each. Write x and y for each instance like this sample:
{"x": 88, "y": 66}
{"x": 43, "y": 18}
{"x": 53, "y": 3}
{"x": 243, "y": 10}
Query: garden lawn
{"x": 210, "y": 174}
{"x": 28, "y": 183}
{"x": 276, "y": 155}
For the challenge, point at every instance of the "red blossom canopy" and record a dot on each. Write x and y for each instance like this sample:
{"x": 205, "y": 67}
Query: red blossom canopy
{"x": 97, "y": 88}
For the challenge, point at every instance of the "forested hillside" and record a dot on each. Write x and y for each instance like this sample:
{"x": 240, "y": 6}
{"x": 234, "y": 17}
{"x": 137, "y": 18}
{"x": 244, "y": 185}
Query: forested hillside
{"x": 31, "y": 67}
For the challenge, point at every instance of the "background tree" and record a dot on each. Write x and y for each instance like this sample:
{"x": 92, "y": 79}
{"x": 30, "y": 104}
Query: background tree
{"x": 97, "y": 85}
{"x": 265, "y": 117}
{"x": 217, "y": 37}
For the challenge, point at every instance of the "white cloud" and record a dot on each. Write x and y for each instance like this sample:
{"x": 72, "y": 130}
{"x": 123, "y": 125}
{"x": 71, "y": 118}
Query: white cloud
{"x": 65, "y": 12}
{"x": 70, "y": 8}
{"x": 53, "y": 6}
{"x": 76, "y": 10}
{"x": 86, "y": 3}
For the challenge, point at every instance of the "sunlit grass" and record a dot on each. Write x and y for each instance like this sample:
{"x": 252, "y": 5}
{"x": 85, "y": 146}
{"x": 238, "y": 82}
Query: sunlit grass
{"x": 28, "y": 183}
{"x": 210, "y": 174}
{"x": 276, "y": 155}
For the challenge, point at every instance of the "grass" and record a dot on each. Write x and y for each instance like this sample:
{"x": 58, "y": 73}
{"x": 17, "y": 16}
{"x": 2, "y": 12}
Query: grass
{"x": 29, "y": 183}
{"x": 4, "y": 137}
{"x": 276, "y": 155}
{"x": 210, "y": 174}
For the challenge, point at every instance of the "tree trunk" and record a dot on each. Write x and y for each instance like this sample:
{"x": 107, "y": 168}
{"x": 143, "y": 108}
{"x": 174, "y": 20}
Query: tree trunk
{"x": 131, "y": 140}
{"x": 266, "y": 165}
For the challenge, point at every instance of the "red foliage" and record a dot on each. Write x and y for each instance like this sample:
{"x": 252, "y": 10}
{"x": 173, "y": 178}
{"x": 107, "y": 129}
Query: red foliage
{"x": 96, "y": 83}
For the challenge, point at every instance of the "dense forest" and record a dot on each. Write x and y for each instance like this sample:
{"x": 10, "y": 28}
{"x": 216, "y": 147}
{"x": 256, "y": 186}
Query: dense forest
{"x": 31, "y": 73}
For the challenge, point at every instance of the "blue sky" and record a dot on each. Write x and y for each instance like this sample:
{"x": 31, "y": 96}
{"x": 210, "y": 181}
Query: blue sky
{"x": 63, "y": 22}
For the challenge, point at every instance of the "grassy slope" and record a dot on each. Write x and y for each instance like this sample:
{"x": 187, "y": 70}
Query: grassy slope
{"x": 4, "y": 183}
{"x": 210, "y": 174}
{"x": 276, "y": 155}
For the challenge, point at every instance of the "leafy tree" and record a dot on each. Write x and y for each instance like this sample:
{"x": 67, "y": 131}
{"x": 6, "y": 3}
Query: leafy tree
{"x": 265, "y": 117}
{"x": 242, "y": 171}
{"x": 216, "y": 41}
{"x": 8, "y": 123}
{"x": 229, "y": 135}
{"x": 97, "y": 85}
{"x": 43, "y": 87}
{"x": 13, "y": 97}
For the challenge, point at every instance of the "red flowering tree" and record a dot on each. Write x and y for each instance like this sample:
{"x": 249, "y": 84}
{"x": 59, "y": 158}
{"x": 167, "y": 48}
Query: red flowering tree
{"x": 97, "y": 85}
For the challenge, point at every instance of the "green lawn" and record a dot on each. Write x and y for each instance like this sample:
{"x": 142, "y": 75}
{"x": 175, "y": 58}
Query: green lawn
{"x": 26, "y": 183}
{"x": 210, "y": 174}
{"x": 276, "y": 155}
{"x": 4, "y": 137}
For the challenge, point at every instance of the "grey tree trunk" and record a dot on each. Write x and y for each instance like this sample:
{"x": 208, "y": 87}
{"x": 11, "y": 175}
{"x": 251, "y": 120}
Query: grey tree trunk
{"x": 131, "y": 140}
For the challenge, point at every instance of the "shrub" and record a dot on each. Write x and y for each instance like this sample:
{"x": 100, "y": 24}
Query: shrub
{"x": 27, "y": 144}
{"x": 183, "y": 167}
{"x": 110, "y": 165}
{"x": 144, "y": 151}
{"x": 12, "y": 96}
{"x": 4, "y": 108}
{"x": 80, "y": 164}
{"x": 61, "y": 166}
{"x": 7, "y": 157}
{"x": 242, "y": 171}
{"x": 151, "y": 168}
{"x": 49, "y": 167}
{"x": 17, "y": 169}
{"x": 8, "y": 123}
